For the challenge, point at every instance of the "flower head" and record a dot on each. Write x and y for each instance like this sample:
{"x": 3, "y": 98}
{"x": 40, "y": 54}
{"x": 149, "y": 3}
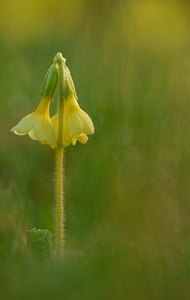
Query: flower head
{"x": 37, "y": 124}
{"x": 76, "y": 123}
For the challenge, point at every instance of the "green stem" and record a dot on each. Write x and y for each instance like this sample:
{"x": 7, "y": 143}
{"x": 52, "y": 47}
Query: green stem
{"x": 59, "y": 245}
{"x": 59, "y": 204}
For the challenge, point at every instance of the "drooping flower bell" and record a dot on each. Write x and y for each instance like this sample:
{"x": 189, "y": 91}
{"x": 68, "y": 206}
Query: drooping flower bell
{"x": 38, "y": 124}
{"x": 76, "y": 122}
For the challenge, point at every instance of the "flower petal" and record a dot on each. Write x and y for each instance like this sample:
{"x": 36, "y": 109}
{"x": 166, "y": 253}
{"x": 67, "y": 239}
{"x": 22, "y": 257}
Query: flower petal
{"x": 44, "y": 132}
{"x": 74, "y": 140}
{"x": 25, "y": 125}
{"x": 31, "y": 135}
{"x": 73, "y": 124}
{"x": 67, "y": 140}
{"x": 54, "y": 122}
{"x": 88, "y": 127}
{"x": 82, "y": 138}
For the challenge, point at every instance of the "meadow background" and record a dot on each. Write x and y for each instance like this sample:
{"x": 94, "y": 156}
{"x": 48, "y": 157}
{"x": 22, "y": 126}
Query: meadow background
{"x": 127, "y": 190}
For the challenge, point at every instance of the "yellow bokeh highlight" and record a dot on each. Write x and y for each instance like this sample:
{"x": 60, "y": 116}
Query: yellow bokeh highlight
{"x": 154, "y": 24}
{"x": 22, "y": 20}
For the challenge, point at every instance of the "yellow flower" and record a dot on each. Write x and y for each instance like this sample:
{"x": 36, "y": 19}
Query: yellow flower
{"x": 38, "y": 124}
{"x": 76, "y": 123}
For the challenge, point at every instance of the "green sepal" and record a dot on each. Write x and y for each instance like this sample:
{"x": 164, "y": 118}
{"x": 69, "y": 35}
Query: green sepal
{"x": 50, "y": 82}
{"x": 69, "y": 85}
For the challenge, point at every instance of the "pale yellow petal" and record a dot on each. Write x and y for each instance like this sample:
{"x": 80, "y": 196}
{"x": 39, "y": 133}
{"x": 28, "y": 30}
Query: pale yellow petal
{"x": 82, "y": 138}
{"x": 25, "y": 125}
{"x": 44, "y": 131}
{"x": 54, "y": 122}
{"x": 66, "y": 139}
{"x": 74, "y": 140}
{"x": 31, "y": 135}
{"x": 74, "y": 124}
{"x": 88, "y": 127}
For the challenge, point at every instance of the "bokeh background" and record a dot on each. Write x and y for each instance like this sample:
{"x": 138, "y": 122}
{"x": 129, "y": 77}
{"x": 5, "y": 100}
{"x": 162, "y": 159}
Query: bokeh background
{"x": 127, "y": 211}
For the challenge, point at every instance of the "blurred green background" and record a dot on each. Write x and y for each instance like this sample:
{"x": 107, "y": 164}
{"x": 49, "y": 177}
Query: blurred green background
{"x": 127, "y": 211}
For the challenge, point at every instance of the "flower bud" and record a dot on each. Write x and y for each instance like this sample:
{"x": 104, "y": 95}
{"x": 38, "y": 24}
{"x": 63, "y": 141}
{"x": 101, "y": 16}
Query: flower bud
{"x": 50, "y": 82}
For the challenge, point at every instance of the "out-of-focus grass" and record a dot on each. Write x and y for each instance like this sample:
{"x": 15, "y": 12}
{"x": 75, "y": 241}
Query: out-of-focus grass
{"x": 127, "y": 191}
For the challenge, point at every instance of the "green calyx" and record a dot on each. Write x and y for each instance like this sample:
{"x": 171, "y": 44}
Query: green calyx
{"x": 50, "y": 81}
{"x": 69, "y": 85}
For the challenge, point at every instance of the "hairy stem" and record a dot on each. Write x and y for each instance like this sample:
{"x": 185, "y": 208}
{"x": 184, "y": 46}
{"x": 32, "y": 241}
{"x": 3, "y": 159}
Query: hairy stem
{"x": 59, "y": 246}
{"x": 59, "y": 203}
